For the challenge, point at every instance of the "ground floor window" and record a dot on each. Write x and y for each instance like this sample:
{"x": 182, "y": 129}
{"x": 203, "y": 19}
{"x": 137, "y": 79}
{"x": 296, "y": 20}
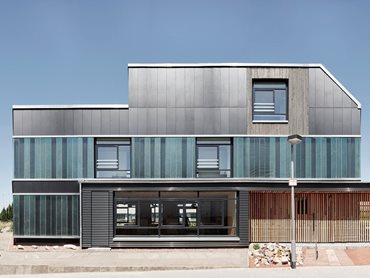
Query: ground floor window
{"x": 175, "y": 213}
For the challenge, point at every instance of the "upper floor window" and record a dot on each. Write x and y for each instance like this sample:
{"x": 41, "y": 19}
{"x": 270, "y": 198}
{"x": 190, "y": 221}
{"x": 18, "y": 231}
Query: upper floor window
{"x": 213, "y": 158}
{"x": 113, "y": 158}
{"x": 270, "y": 101}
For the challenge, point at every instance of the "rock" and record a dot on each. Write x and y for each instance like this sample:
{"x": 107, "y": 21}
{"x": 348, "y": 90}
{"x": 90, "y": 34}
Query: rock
{"x": 34, "y": 246}
{"x": 70, "y": 246}
{"x": 276, "y": 260}
{"x": 47, "y": 248}
{"x": 55, "y": 247}
{"x": 284, "y": 260}
{"x": 5, "y": 230}
{"x": 20, "y": 247}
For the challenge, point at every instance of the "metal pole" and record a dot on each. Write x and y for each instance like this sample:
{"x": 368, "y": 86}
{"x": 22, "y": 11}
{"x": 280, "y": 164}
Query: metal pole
{"x": 293, "y": 261}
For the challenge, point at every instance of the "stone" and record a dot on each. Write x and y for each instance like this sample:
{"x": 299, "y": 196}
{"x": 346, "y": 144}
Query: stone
{"x": 34, "y": 246}
{"x": 20, "y": 247}
{"x": 70, "y": 246}
{"x": 55, "y": 247}
{"x": 284, "y": 260}
{"x": 276, "y": 260}
{"x": 47, "y": 248}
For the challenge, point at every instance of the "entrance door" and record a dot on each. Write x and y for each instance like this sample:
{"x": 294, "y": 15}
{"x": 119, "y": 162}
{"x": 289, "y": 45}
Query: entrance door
{"x": 99, "y": 219}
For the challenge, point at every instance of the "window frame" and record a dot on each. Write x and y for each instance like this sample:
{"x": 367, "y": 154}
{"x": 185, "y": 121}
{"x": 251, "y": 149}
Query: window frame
{"x": 271, "y": 81}
{"x": 217, "y": 143}
{"x": 105, "y": 143}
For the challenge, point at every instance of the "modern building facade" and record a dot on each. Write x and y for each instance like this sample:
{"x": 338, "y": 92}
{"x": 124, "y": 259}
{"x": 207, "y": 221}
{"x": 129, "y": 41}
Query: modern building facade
{"x": 199, "y": 157}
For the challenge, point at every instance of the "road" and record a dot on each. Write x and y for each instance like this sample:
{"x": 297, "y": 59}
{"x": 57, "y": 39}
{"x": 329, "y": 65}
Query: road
{"x": 303, "y": 272}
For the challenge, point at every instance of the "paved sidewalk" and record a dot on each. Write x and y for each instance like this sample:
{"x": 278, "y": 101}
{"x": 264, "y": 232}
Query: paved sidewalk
{"x": 15, "y": 261}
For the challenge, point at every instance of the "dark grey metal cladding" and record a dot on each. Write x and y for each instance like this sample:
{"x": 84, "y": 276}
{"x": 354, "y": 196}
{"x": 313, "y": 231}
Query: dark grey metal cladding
{"x": 100, "y": 218}
{"x": 244, "y": 217}
{"x": 331, "y": 110}
{"x": 210, "y": 100}
{"x": 86, "y": 218}
{"x": 49, "y": 186}
{"x": 80, "y": 121}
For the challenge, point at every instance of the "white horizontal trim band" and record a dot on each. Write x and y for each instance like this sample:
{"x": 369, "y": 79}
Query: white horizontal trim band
{"x": 182, "y": 135}
{"x": 72, "y": 106}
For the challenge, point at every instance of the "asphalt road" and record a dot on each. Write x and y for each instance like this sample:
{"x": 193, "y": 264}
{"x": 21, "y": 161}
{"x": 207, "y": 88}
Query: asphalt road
{"x": 303, "y": 272}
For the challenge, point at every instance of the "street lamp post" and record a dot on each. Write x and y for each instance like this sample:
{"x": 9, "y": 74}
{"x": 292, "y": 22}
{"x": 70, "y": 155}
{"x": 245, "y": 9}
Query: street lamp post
{"x": 293, "y": 140}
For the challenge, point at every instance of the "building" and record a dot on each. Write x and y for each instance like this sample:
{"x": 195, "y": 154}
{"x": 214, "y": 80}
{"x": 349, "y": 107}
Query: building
{"x": 198, "y": 158}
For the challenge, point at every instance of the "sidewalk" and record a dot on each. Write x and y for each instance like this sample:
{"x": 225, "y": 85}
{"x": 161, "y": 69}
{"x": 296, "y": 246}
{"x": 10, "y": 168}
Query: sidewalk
{"x": 14, "y": 261}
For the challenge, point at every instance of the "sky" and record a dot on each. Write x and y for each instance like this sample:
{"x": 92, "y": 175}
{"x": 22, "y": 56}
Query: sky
{"x": 77, "y": 51}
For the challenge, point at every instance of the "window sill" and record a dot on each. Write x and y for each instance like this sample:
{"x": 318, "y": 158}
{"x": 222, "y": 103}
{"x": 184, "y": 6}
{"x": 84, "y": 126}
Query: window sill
{"x": 269, "y": 122}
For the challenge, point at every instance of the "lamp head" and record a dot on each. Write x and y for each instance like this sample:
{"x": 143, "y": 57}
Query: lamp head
{"x": 295, "y": 139}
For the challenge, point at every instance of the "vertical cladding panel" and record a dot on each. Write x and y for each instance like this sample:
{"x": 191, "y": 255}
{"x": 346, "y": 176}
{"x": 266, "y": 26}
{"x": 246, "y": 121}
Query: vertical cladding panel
{"x": 329, "y": 121}
{"x": 198, "y": 87}
{"x": 233, "y": 87}
{"x": 27, "y": 121}
{"x": 320, "y": 124}
{"x": 338, "y": 120}
{"x": 347, "y": 120}
{"x": 356, "y": 120}
{"x": 171, "y": 87}
{"x": 162, "y": 87}
{"x": 141, "y": 92}
{"x": 105, "y": 121}
{"x": 312, "y": 87}
{"x": 329, "y": 92}
{"x": 133, "y": 121}
{"x": 152, "y": 88}
{"x": 211, "y": 87}
{"x": 132, "y": 87}
{"x": 198, "y": 117}
{"x": 189, "y": 121}
{"x": 244, "y": 217}
{"x": 69, "y": 122}
{"x": 320, "y": 88}
{"x": 87, "y": 122}
{"x": 225, "y": 87}
{"x": 123, "y": 121}
{"x": 189, "y": 87}
{"x": 114, "y": 121}
{"x": 77, "y": 119}
{"x": 180, "y": 120}
{"x": 162, "y": 120}
{"x": 225, "y": 120}
{"x": 242, "y": 87}
{"x": 17, "y": 122}
{"x": 211, "y": 120}
{"x": 179, "y": 87}
{"x": 142, "y": 123}
{"x": 32, "y": 213}
{"x": 171, "y": 121}
{"x": 152, "y": 120}
{"x": 59, "y": 123}
{"x": 100, "y": 218}
{"x": 86, "y": 218}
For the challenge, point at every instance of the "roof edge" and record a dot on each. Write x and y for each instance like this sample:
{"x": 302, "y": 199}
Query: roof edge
{"x": 72, "y": 106}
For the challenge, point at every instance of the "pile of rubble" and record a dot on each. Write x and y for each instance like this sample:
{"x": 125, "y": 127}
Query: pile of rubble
{"x": 273, "y": 254}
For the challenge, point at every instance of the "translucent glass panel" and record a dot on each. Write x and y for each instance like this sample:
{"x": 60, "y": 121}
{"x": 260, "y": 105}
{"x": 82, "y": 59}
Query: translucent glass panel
{"x": 44, "y": 158}
{"x": 264, "y": 157}
{"x": 46, "y": 215}
{"x": 163, "y": 157}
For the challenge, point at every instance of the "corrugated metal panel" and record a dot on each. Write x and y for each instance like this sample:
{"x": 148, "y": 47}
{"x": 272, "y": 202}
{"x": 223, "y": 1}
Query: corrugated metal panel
{"x": 86, "y": 218}
{"x": 100, "y": 219}
{"x": 244, "y": 217}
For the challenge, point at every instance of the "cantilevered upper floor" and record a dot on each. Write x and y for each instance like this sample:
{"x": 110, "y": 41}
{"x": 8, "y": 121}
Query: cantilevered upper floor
{"x": 208, "y": 99}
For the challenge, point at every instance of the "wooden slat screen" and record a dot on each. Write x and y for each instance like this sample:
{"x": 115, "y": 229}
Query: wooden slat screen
{"x": 320, "y": 217}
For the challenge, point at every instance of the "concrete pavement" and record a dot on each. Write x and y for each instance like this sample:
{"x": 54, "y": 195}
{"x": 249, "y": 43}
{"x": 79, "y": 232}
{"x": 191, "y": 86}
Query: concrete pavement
{"x": 327, "y": 272}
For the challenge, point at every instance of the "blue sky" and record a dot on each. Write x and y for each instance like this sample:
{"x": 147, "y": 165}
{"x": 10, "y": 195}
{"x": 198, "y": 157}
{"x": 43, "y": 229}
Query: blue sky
{"x": 77, "y": 51}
